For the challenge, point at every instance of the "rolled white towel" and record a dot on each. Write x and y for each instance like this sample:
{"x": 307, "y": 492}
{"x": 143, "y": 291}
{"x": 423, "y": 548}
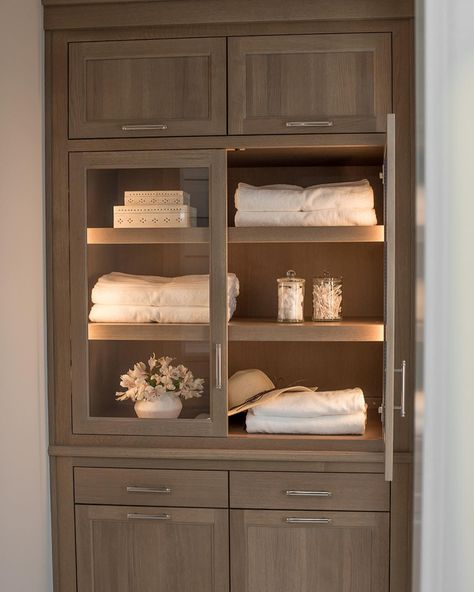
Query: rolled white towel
{"x": 269, "y": 198}
{"x": 351, "y": 195}
{"x": 193, "y": 290}
{"x": 313, "y": 404}
{"x": 331, "y": 217}
{"x": 323, "y": 425}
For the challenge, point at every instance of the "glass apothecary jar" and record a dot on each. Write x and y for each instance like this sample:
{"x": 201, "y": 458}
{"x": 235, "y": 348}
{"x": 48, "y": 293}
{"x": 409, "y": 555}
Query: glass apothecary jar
{"x": 290, "y": 298}
{"x": 327, "y": 298}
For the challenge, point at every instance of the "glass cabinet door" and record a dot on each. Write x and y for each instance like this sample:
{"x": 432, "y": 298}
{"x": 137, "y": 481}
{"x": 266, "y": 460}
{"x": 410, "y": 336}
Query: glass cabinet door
{"x": 148, "y": 277}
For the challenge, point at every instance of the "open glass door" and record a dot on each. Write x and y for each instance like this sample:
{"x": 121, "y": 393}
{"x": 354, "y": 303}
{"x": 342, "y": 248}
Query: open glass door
{"x": 387, "y": 408}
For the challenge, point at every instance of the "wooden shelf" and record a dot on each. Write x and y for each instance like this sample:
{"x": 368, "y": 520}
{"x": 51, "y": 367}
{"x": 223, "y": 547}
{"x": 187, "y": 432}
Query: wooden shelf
{"x": 148, "y": 332}
{"x": 319, "y": 234}
{"x": 242, "y": 330}
{"x": 124, "y": 236}
{"x": 269, "y": 330}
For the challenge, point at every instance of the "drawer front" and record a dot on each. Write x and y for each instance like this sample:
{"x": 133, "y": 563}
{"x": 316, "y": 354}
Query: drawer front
{"x": 295, "y": 84}
{"x": 151, "y": 487}
{"x": 309, "y": 491}
{"x": 166, "y": 87}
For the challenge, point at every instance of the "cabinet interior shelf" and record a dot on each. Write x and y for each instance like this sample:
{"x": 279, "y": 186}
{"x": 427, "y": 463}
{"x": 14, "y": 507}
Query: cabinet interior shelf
{"x": 361, "y": 329}
{"x": 328, "y": 234}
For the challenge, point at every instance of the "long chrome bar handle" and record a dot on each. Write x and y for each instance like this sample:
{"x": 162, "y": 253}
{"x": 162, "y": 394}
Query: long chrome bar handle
{"x": 133, "y": 516}
{"x": 218, "y": 366}
{"x": 134, "y": 489}
{"x": 305, "y": 493}
{"x": 144, "y": 127}
{"x": 295, "y": 520}
{"x": 402, "y": 406}
{"x": 309, "y": 123}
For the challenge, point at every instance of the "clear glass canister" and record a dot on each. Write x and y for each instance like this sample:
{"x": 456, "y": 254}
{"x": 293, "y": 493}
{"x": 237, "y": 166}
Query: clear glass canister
{"x": 327, "y": 298}
{"x": 290, "y": 298}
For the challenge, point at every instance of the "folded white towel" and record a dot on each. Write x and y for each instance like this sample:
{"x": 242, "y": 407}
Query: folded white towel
{"x": 352, "y": 195}
{"x": 120, "y": 313}
{"x": 269, "y": 198}
{"x": 292, "y": 198}
{"x": 313, "y": 404}
{"x": 331, "y": 217}
{"x": 192, "y": 290}
{"x": 323, "y": 425}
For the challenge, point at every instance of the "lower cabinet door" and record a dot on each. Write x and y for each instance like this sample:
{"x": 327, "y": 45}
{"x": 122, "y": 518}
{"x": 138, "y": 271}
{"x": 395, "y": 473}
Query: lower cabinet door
{"x": 137, "y": 549}
{"x": 274, "y": 551}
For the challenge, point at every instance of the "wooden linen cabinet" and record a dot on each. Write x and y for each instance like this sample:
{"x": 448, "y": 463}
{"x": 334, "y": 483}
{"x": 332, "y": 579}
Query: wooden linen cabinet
{"x": 137, "y": 99}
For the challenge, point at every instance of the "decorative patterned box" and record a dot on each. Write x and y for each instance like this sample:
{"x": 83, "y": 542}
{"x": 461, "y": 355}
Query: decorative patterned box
{"x": 154, "y": 217}
{"x": 156, "y": 198}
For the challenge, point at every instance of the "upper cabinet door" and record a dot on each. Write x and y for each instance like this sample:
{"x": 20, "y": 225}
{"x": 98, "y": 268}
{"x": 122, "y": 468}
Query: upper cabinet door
{"x": 167, "y": 87}
{"x": 309, "y": 83}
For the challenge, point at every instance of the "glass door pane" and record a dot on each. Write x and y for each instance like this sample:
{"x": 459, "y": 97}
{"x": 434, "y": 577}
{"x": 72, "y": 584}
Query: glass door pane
{"x": 148, "y": 277}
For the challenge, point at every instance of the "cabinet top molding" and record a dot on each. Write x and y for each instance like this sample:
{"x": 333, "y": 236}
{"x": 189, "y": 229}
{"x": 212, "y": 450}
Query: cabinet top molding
{"x": 80, "y": 14}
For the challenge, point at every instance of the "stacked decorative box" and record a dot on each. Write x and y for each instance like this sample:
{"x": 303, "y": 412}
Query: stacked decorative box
{"x": 155, "y": 209}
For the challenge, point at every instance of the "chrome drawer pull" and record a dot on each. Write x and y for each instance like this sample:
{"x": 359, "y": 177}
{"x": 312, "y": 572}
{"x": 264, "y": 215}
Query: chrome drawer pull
{"x": 303, "y": 493}
{"x": 309, "y": 123}
{"x": 133, "y": 489}
{"x": 148, "y": 516}
{"x": 293, "y": 520}
{"x": 137, "y": 128}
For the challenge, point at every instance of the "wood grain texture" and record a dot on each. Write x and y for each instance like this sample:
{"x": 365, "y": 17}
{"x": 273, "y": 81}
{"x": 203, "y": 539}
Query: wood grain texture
{"x": 192, "y": 489}
{"x": 346, "y": 491}
{"x": 94, "y": 14}
{"x": 401, "y": 528}
{"x": 63, "y": 525}
{"x": 270, "y": 555}
{"x": 338, "y": 149}
{"x": 176, "y": 83}
{"x": 257, "y": 453}
{"x": 243, "y": 329}
{"x": 112, "y": 549}
{"x": 340, "y": 79}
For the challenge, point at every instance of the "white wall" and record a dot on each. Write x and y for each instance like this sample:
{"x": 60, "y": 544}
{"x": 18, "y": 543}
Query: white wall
{"x": 445, "y": 405}
{"x": 25, "y": 556}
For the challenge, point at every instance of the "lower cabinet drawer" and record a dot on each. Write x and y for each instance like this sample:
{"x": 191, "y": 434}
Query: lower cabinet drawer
{"x": 285, "y": 551}
{"x": 151, "y": 487}
{"x": 309, "y": 491}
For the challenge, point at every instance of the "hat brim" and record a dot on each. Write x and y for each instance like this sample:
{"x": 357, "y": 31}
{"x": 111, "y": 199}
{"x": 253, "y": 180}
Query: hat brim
{"x": 266, "y": 396}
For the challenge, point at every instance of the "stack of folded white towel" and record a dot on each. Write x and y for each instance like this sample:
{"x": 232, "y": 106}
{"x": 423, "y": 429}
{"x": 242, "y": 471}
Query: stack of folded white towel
{"x": 335, "y": 204}
{"x": 124, "y": 298}
{"x": 327, "y": 413}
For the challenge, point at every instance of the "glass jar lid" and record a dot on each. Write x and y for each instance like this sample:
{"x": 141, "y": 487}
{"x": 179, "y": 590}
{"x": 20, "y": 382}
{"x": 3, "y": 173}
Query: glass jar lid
{"x": 291, "y": 278}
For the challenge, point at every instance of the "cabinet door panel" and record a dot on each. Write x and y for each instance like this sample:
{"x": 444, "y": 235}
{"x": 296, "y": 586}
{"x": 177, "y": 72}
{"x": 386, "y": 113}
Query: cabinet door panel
{"x": 129, "y": 549}
{"x": 306, "y": 551}
{"x": 309, "y": 83}
{"x": 168, "y": 87}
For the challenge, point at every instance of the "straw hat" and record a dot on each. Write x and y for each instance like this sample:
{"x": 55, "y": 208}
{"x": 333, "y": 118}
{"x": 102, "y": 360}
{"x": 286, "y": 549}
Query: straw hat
{"x": 249, "y": 388}
{"x": 247, "y": 383}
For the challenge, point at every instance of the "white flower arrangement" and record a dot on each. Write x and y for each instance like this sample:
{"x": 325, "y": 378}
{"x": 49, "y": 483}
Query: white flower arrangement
{"x": 144, "y": 384}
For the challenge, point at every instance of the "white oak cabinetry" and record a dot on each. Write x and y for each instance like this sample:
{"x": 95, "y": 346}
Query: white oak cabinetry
{"x": 138, "y": 99}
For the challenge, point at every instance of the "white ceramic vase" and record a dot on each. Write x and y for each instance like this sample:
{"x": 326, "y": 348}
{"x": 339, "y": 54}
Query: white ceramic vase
{"x": 165, "y": 406}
